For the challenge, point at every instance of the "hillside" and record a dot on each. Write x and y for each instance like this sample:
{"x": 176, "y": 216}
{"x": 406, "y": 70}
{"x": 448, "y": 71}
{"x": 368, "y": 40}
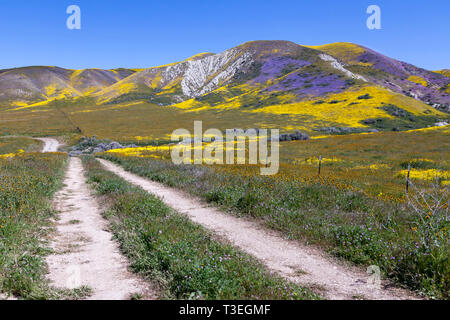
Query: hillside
{"x": 402, "y": 77}
{"x": 281, "y": 66}
{"x": 445, "y": 72}
{"x": 28, "y": 85}
{"x": 268, "y": 65}
{"x": 334, "y": 88}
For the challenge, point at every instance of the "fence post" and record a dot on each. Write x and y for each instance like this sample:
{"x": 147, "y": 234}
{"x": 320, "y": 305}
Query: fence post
{"x": 320, "y": 163}
{"x": 407, "y": 178}
{"x": 267, "y": 159}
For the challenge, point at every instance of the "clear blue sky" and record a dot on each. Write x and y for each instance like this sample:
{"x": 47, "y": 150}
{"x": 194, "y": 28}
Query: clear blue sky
{"x": 147, "y": 33}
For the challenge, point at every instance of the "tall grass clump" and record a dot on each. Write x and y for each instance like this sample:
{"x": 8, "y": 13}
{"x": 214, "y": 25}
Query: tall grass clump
{"x": 427, "y": 265}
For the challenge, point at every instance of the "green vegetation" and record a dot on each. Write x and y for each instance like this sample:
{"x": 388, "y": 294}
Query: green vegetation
{"x": 187, "y": 261}
{"x": 403, "y": 120}
{"x": 343, "y": 220}
{"x": 13, "y": 144}
{"x": 28, "y": 182}
{"x": 356, "y": 209}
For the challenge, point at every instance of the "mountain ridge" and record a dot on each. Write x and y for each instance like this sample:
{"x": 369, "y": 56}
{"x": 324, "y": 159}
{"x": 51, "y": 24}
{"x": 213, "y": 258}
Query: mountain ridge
{"x": 267, "y": 66}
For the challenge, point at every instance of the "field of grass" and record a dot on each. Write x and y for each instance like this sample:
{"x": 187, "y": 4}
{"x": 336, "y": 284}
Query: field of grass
{"x": 14, "y": 144}
{"x": 188, "y": 261}
{"x": 374, "y": 164}
{"x": 134, "y": 121}
{"x": 42, "y": 121}
{"x": 28, "y": 181}
{"x": 356, "y": 208}
{"x": 128, "y": 122}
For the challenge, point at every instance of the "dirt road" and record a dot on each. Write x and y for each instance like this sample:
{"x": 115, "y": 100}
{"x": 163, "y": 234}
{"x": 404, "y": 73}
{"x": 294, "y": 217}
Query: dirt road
{"x": 85, "y": 253}
{"x": 300, "y": 264}
{"x": 50, "y": 144}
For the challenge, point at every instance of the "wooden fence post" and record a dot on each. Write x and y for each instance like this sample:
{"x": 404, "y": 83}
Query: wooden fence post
{"x": 267, "y": 159}
{"x": 320, "y": 163}
{"x": 407, "y": 178}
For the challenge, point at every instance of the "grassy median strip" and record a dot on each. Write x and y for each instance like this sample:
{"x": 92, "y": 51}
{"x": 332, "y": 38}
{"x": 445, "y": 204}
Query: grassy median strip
{"x": 28, "y": 181}
{"x": 187, "y": 260}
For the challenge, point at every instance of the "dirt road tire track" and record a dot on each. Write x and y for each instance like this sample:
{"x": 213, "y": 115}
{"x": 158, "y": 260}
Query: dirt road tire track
{"x": 300, "y": 264}
{"x": 50, "y": 144}
{"x": 85, "y": 253}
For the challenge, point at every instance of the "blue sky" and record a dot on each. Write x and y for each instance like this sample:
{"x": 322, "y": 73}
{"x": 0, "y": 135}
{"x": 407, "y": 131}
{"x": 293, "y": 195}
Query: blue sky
{"x": 136, "y": 33}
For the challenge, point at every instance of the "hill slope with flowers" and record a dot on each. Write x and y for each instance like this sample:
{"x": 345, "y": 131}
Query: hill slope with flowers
{"x": 40, "y": 84}
{"x": 259, "y": 83}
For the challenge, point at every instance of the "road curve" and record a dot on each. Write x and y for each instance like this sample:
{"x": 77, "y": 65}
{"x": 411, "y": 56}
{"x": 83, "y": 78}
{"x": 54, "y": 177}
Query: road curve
{"x": 50, "y": 144}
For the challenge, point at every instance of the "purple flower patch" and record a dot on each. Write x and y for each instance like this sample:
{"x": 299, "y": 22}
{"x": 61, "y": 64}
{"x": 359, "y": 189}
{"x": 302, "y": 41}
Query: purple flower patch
{"x": 278, "y": 66}
{"x": 308, "y": 84}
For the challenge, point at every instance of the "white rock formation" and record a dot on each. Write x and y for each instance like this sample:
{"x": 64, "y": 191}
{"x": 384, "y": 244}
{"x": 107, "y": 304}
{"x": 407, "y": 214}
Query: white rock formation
{"x": 337, "y": 65}
{"x": 205, "y": 75}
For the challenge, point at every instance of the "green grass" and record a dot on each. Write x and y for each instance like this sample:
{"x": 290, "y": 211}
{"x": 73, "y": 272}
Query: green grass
{"x": 13, "y": 144}
{"x": 188, "y": 261}
{"x": 28, "y": 183}
{"x": 346, "y": 223}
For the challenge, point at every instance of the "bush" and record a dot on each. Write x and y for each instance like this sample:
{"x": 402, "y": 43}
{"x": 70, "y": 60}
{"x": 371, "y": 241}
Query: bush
{"x": 365, "y": 97}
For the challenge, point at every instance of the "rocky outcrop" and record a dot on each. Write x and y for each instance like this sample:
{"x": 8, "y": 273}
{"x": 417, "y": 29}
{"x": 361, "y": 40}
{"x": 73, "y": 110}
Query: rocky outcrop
{"x": 205, "y": 75}
{"x": 291, "y": 136}
{"x": 347, "y": 130}
{"x": 338, "y": 66}
{"x": 92, "y": 145}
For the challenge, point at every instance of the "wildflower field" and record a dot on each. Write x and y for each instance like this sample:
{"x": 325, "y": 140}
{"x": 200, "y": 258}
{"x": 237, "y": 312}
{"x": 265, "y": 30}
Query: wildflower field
{"x": 244, "y": 106}
{"x": 356, "y": 209}
{"x": 340, "y": 165}
{"x": 28, "y": 181}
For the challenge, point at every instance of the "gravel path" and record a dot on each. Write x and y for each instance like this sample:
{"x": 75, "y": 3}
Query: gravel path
{"x": 301, "y": 264}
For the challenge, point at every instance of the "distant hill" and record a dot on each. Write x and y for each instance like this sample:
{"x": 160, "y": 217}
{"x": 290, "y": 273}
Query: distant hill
{"x": 445, "y": 72}
{"x": 22, "y": 86}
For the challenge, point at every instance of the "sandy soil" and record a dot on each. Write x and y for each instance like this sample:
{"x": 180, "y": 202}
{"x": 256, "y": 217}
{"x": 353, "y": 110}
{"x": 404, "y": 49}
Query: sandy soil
{"x": 85, "y": 253}
{"x": 4, "y": 297}
{"x": 301, "y": 264}
{"x": 50, "y": 144}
